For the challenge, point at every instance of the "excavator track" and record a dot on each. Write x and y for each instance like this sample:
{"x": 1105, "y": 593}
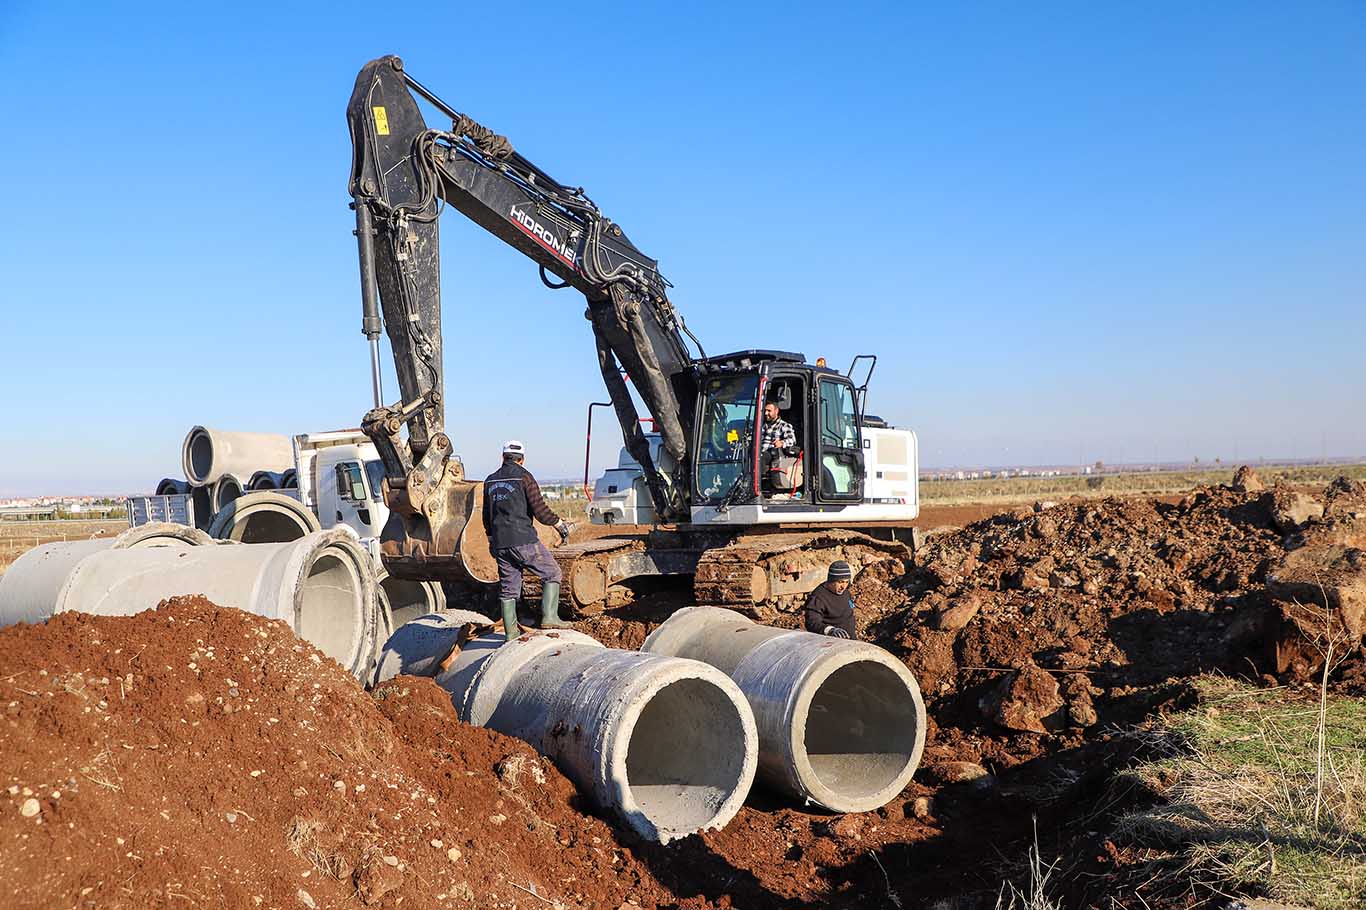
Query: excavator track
{"x": 768, "y": 568}
{"x": 588, "y": 570}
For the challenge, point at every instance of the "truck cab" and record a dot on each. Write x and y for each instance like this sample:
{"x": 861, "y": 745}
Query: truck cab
{"x": 342, "y": 480}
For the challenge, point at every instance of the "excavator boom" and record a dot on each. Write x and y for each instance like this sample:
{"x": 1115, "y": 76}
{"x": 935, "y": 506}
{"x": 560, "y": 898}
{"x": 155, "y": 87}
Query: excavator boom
{"x": 402, "y": 173}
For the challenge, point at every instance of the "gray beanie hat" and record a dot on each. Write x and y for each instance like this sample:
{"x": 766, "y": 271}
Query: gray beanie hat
{"x": 839, "y": 569}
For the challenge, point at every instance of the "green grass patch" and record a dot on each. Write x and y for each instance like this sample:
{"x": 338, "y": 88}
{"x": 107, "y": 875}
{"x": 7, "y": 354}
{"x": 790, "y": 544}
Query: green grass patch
{"x": 1264, "y": 794}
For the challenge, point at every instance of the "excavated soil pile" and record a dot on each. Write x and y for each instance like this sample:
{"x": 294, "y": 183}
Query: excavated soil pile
{"x": 200, "y": 756}
{"x": 1067, "y": 619}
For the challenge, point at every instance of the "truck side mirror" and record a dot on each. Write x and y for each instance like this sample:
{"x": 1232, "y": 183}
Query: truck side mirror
{"x": 358, "y": 490}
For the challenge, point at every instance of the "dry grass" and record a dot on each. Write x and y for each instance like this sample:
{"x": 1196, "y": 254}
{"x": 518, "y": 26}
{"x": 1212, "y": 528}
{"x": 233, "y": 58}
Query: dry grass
{"x": 1034, "y": 895}
{"x": 1264, "y": 796}
{"x": 1154, "y": 483}
{"x": 18, "y": 537}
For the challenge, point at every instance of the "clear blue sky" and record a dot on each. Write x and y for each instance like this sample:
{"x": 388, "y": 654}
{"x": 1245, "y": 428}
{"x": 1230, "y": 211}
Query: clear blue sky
{"x": 1070, "y": 230}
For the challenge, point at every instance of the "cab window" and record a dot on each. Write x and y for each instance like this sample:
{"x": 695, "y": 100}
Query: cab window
{"x": 350, "y": 483}
{"x": 726, "y": 436}
{"x": 839, "y": 438}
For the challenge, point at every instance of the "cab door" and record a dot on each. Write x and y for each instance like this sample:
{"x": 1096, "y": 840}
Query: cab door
{"x": 344, "y": 491}
{"x": 839, "y": 447}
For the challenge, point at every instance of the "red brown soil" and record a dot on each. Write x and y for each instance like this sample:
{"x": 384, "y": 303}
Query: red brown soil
{"x": 1042, "y": 641}
{"x": 205, "y": 756}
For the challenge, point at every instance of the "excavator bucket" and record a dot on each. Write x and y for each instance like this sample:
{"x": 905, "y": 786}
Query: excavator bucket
{"x": 461, "y": 551}
{"x": 425, "y": 545}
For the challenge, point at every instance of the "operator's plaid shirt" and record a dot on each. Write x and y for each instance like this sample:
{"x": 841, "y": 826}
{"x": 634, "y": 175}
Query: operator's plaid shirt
{"x": 776, "y": 434}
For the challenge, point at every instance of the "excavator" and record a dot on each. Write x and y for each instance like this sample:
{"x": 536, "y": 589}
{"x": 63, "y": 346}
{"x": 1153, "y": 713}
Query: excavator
{"x": 752, "y": 527}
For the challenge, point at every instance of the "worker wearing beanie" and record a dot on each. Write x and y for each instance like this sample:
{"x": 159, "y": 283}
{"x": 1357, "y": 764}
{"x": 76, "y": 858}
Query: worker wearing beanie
{"x": 512, "y": 498}
{"x": 830, "y": 608}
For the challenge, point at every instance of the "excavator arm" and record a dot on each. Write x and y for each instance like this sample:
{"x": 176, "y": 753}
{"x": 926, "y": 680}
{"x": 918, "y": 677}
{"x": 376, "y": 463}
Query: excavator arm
{"x": 402, "y": 173}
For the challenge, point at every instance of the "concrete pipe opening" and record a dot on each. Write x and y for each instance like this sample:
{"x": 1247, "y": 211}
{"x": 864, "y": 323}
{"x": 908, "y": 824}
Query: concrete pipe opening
{"x": 682, "y": 764}
{"x": 326, "y": 605}
{"x": 202, "y": 500}
{"x": 860, "y": 737}
{"x": 263, "y": 517}
{"x": 198, "y": 455}
{"x": 169, "y": 486}
{"x": 407, "y": 599}
{"x": 226, "y": 489}
{"x": 264, "y": 480}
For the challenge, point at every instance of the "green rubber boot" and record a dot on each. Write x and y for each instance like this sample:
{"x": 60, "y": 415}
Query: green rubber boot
{"x": 509, "y": 618}
{"x": 550, "y": 606}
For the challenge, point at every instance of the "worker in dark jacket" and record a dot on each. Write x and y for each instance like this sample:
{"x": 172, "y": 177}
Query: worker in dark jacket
{"x": 829, "y": 608}
{"x": 512, "y": 499}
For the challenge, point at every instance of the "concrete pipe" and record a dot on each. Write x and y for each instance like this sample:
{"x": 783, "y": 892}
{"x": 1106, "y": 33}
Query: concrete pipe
{"x": 289, "y": 479}
{"x": 414, "y": 647}
{"x": 401, "y": 600}
{"x": 321, "y": 585}
{"x": 224, "y": 490}
{"x": 201, "y": 498}
{"x": 208, "y": 454}
{"x": 263, "y": 517}
{"x": 841, "y": 723}
{"x": 169, "y": 486}
{"x": 28, "y": 588}
{"x": 669, "y": 745}
{"x": 265, "y": 480}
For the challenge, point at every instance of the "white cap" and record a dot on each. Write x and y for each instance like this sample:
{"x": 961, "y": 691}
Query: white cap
{"x": 514, "y": 447}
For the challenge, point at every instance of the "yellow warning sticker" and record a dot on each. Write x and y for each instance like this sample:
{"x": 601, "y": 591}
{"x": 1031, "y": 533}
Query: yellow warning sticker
{"x": 381, "y": 120}
{"x": 732, "y": 436}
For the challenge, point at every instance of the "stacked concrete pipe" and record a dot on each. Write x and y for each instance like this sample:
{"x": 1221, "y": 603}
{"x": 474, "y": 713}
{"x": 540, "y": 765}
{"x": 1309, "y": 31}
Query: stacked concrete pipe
{"x": 289, "y": 479}
{"x": 841, "y": 723}
{"x": 263, "y": 517}
{"x": 169, "y": 486}
{"x": 321, "y": 585}
{"x": 208, "y": 454}
{"x": 669, "y": 745}
{"x": 266, "y": 480}
{"x": 224, "y": 490}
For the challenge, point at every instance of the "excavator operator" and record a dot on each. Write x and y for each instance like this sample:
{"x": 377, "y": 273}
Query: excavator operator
{"x": 777, "y": 433}
{"x": 512, "y": 499}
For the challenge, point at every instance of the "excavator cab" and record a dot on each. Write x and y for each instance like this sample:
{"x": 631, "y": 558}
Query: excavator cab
{"x": 825, "y": 466}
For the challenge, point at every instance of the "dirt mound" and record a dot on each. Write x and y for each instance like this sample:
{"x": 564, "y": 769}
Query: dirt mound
{"x": 207, "y": 755}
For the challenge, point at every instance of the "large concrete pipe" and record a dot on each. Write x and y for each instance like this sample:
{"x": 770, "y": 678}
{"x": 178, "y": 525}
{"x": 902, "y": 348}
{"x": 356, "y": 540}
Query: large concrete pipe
{"x": 169, "y": 486}
{"x": 669, "y": 745}
{"x": 841, "y": 723}
{"x": 289, "y": 479}
{"x": 263, "y": 517}
{"x": 208, "y": 454}
{"x": 321, "y": 585}
{"x": 402, "y": 600}
{"x": 225, "y": 489}
{"x": 202, "y": 500}
{"x": 28, "y": 588}
{"x": 265, "y": 480}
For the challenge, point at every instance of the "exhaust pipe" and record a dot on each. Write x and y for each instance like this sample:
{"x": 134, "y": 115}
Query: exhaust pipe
{"x": 841, "y": 723}
{"x": 668, "y": 745}
{"x": 208, "y": 454}
{"x": 322, "y": 585}
{"x": 263, "y": 517}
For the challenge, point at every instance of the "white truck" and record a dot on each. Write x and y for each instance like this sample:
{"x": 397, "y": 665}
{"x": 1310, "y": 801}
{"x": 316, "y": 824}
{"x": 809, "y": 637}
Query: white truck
{"x": 340, "y": 482}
